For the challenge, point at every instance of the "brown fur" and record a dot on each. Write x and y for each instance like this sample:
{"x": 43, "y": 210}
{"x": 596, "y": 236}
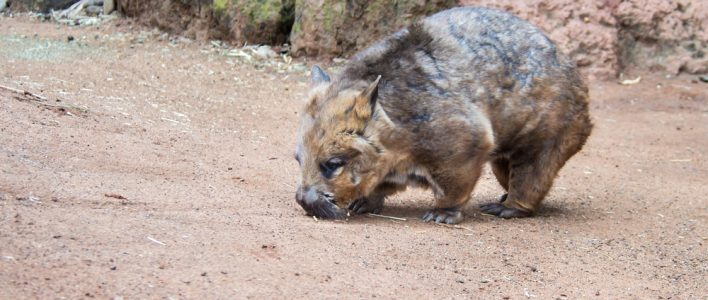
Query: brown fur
{"x": 430, "y": 105}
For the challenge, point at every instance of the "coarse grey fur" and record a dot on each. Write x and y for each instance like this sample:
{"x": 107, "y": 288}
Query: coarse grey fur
{"x": 460, "y": 88}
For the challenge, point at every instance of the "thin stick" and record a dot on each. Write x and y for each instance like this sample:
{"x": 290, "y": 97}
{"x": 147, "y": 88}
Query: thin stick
{"x": 455, "y": 226}
{"x": 156, "y": 241}
{"x": 631, "y": 81}
{"x": 387, "y": 217}
{"x": 41, "y": 100}
{"x": 680, "y": 160}
{"x": 23, "y": 92}
{"x": 170, "y": 120}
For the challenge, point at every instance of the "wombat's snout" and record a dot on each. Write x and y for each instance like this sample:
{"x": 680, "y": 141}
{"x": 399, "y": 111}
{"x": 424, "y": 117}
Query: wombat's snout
{"x": 319, "y": 204}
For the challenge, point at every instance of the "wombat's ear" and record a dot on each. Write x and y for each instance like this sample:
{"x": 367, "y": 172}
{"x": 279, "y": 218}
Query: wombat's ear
{"x": 318, "y": 76}
{"x": 366, "y": 102}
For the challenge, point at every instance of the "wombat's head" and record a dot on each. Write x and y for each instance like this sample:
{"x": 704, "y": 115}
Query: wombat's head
{"x": 337, "y": 145}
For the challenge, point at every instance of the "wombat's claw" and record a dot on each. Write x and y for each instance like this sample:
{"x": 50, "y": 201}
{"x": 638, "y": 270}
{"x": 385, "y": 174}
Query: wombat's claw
{"x": 365, "y": 205}
{"x": 503, "y": 198}
{"x": 502, "y": 211}
{"x": 447, "y": 216}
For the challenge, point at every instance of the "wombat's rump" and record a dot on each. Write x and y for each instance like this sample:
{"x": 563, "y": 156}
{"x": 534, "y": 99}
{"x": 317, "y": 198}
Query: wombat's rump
{"x": 460, "y": 88}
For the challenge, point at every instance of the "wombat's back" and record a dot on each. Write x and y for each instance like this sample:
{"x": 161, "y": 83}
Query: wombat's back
{"x": 502, "y": 65}
{"x": 484, "y": 43}
{"x": 509, "y": 68}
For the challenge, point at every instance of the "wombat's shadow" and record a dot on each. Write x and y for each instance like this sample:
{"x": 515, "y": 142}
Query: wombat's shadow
{"x": 471, "y": 211}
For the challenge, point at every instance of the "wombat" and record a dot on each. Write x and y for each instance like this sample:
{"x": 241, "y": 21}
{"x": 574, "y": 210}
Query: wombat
{"x": 429, "y": 105}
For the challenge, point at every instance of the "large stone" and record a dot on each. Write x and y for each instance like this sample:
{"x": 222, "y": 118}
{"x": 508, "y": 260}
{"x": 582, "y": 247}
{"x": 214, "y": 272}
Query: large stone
{"x": 109, "y": 6}
{"x": 670, "y": 35}
{"x": 191, "y": 18}
{"x": 255, "y": 22}
{"x": 338, "y": 27}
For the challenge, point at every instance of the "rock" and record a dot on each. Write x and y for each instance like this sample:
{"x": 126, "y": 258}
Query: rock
{"x": 665, "y": 35}
{"x": 336, "y": 27}
{"x": 93, "y": 10}
{"x": 108, "y": 6}
{"x": 264, "y": 52}
{"x": 3, "y": 4}
{"x": 192, "y": 19}
{"x": 255, "y": 22}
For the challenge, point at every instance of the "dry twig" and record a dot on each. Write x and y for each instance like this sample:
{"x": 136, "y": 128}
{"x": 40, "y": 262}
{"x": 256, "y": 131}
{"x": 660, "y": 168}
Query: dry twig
{"x": 156, "y": 241}
{"x": 455, "y": 226}
{"x": 631, "y": 81}
{"x": 117, "y": 196}
{"x": 387, "y": 217}
{"x": 36, "y": 97}
{"x": 24, "y": 95}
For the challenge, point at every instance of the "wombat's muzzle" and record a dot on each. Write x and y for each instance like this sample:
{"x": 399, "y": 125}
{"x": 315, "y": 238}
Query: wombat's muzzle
{"x": 318, "y": 203}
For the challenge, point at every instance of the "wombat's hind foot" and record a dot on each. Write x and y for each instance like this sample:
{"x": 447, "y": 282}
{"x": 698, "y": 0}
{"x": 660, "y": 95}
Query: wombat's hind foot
{"x": 367, "y": 205}
{"x": 499, "y": 210}
{"x": 443, "y": 215}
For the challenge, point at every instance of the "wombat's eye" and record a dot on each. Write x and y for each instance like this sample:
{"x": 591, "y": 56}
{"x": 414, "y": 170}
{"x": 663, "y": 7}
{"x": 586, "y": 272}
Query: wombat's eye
{"x": 329, "y": 167}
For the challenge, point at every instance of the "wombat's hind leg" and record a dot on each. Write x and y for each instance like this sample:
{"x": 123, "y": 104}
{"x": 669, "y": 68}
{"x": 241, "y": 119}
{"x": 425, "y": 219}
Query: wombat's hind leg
{"x": 498, "y": 209}
{"x": 500, "y": 168}
{"x": 532, "y": 174}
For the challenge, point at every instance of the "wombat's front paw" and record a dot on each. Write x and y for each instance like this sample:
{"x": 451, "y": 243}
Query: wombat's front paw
{"x": 447, "y": 216}
{"x": 499, "y": 210}
{"x": 367, "y": 205}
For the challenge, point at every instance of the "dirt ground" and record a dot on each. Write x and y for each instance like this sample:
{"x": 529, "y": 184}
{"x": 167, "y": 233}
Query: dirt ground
{"x": 163, "y": 169}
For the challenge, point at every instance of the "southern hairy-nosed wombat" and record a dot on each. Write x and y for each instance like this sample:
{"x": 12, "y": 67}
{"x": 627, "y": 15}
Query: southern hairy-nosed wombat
{"x": 429, "y": 105}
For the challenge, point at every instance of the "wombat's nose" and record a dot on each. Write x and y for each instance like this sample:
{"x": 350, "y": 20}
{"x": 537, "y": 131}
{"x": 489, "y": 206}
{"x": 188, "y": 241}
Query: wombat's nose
{"x": 306, "y": 196}
{"x": 318, "y": 204}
